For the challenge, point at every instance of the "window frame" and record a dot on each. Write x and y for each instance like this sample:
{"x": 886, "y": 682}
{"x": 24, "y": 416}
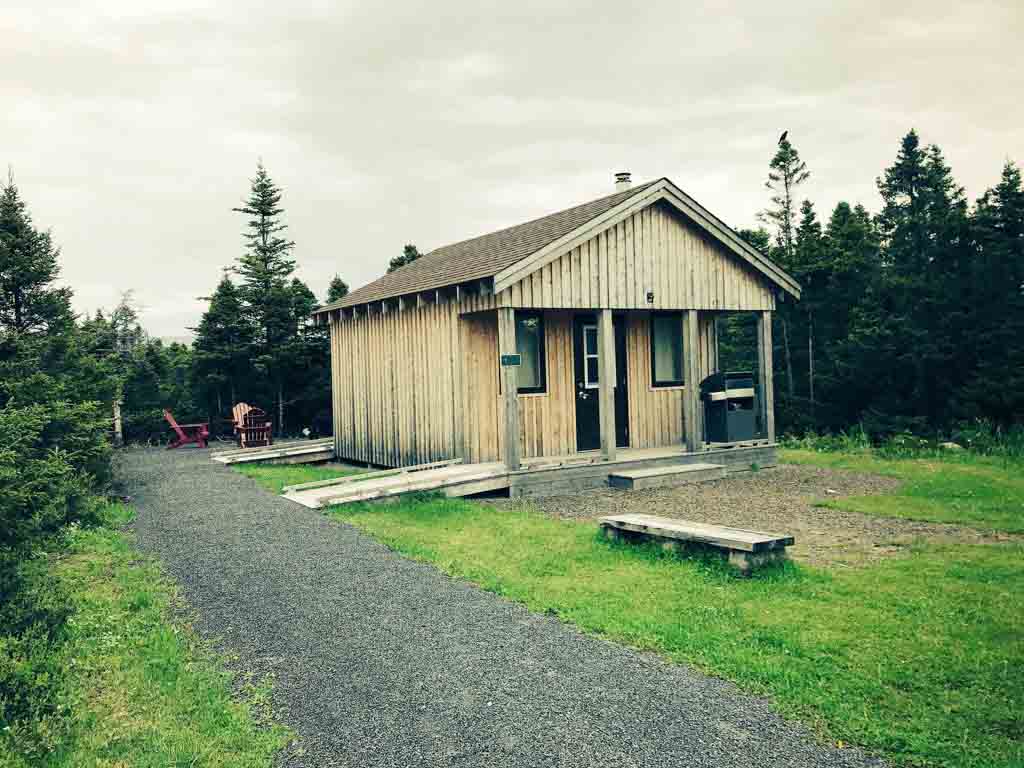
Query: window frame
{"x": 588, "y": 356}
{"x": 541, "y": 352}
{"x": 681, "y": 382}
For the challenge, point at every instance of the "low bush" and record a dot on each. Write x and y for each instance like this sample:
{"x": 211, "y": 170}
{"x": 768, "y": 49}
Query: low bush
{"x": 978, "y": 437}
{"x": 33, "y": 676}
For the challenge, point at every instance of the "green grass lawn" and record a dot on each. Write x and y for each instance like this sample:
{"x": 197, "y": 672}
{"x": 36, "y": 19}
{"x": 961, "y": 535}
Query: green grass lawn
{"x": 144, "y": 693}
{"x": 920, "y": 658}
{"x": 274, "y": 477}
{"x": 966, "y": 489}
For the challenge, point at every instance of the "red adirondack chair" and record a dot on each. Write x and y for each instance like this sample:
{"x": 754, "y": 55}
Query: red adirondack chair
{"x": 187, "y": 433}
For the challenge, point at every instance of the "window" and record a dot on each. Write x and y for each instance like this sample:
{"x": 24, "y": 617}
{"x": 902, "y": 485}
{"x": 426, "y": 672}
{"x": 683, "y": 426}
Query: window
{"x": 590, "y": 357}
{"x": 667, "y": 349}
{"x": 530, "y": 346}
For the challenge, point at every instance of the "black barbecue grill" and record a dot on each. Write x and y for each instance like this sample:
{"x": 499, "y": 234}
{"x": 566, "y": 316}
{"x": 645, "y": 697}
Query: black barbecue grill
{"x": 730, "y": 412}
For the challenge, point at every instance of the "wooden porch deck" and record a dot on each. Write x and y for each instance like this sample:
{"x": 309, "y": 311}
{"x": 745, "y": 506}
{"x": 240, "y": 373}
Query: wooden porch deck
{"x": 544, "y": 476}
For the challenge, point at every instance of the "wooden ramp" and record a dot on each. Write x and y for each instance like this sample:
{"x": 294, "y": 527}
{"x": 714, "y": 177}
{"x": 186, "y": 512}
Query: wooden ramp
{"x": 450, "y": 478}
{"x": 298, "y": 452}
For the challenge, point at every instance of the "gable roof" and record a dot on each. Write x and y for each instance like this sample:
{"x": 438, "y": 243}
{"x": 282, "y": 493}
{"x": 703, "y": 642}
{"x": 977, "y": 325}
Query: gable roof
{"x": 508, "y": 254}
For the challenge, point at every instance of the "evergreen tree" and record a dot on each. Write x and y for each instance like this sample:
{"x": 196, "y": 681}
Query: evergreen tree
{"x": 409, "y": 255}
{"x": 852, "y": 278}
{"x": 786, "y": 173}
{"x": 808, "y": 268}
{"x": 337, "y": 290}
{"x": 29, "y": 300}
{"x": 265, "y": 269}
{"x": 926, "y": 246}
{"x": 224, "y": 340}
{"x": 996, "y": 388}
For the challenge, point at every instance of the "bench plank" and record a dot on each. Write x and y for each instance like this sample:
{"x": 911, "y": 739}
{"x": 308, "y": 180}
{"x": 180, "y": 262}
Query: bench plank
{"x": 725, "y": 537}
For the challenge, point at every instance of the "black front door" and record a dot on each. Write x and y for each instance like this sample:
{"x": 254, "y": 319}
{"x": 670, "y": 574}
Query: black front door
{"x": 588, "y": 409}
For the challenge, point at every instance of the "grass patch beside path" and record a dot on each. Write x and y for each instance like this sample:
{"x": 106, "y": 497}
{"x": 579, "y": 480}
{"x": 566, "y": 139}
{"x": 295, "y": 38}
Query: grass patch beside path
{"x": 921, "y": 657}
{"x": 967, "y": 489}
{"x": 274, "y": 477}
{"x": 142, "y": 691}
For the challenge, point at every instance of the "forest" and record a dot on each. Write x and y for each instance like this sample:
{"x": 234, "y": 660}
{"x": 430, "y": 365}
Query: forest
{"x": 911, "y": 319}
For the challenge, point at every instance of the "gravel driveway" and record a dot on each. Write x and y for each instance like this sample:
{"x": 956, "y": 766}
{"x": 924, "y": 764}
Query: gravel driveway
{"x": 381, "y": 661}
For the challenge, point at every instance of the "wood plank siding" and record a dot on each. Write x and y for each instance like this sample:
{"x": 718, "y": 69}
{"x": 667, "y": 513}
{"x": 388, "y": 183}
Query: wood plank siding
{"x": 654, "y": 250}
{"x": 416, "y": 379}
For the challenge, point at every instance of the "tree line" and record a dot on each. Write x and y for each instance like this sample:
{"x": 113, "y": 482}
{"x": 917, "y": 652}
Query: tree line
{"x": 911, "y": 318}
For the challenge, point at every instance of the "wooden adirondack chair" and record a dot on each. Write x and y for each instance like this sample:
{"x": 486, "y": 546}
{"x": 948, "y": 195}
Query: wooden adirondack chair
{"x": 187, "y": 433}
{"x": 256, "y": 429}
{"x": 238, "y": 420}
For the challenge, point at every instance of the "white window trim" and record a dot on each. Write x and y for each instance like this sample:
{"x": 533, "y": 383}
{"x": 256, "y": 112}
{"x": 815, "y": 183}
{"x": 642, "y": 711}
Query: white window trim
{"x": 588, "y": 356}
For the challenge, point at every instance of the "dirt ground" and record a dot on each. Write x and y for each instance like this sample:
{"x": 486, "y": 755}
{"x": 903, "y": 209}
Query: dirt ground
{"x": 777, "y": 500}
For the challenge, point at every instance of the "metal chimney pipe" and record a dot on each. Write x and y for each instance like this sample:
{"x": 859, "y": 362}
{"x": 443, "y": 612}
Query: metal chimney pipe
{"x": 622, "y": 181}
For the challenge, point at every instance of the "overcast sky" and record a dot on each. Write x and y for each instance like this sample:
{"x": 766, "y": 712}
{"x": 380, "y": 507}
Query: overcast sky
{"x": 133, "y": 127}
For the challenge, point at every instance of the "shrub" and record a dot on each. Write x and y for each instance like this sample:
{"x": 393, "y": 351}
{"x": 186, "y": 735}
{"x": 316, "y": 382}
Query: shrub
{"x": 33, "y": 683}
{"x": 53, "y": 459}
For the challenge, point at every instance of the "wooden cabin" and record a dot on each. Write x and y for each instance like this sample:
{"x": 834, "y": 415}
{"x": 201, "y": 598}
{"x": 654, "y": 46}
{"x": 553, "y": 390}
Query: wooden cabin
{"x": 578, "y": 338}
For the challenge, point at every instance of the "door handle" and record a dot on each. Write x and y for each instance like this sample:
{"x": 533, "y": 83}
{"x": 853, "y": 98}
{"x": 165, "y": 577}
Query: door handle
{"x": 582, "y": 394}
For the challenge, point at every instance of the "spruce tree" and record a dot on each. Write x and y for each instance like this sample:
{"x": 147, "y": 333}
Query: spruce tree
{"x": 264, "y": 269}
{"x": 222, "y": 347}
{"x": 409, "y": 255}
{"x": 29, "y": 300}
{"x": 337, "y": 290}
{"x": 996, "y": 388}
{"x": 808, "y": 269}
{"x": 926, "y": 245}
{"x": 786, "y": 173}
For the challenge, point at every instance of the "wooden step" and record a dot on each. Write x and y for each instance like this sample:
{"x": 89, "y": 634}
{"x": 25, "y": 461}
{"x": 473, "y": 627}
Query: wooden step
{"x": 666, "y": 477}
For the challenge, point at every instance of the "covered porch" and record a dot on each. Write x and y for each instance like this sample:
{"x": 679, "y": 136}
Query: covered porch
{"x": 577, "y": 387}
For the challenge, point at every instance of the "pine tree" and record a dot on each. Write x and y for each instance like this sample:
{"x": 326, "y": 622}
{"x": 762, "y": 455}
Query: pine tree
{"x": 808, "y": 269}
{"x": 996, "y": 388}
{"x": 926, "y": 246}
{"x": 265, "y": 269}
{"x": 409, "y": 255}
{"x": 786, "y": 172}
{"x": 337, "y": 290}
{"x": 29, "y": 300}
{"x": 265, "y": 264}
{"x": 221, "y": 350}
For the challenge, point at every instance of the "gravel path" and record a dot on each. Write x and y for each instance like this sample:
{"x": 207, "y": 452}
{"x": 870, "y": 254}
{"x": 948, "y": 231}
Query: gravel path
{"x": 381, "y": 661}
{"x": 779, "y": 500}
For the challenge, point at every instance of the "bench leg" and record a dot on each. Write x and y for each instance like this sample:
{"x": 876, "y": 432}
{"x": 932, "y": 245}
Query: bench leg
{"x": 745, "y": 562}
{"x": 611, "y": 533}
{"x": 741, "y": 561}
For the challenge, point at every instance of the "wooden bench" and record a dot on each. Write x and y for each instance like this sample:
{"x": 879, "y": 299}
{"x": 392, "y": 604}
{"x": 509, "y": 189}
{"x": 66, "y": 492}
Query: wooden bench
{"x": 746, "y": 549}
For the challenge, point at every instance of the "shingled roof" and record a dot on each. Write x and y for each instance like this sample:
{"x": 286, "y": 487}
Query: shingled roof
{"x": 483, "y": 256}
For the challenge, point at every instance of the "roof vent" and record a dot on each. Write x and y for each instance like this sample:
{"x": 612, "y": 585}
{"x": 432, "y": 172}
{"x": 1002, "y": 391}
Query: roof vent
{"x": 623, "y": 181}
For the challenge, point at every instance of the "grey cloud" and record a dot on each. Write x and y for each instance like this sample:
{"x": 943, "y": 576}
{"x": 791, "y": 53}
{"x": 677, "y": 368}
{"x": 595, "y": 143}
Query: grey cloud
{"x": 133, "y": 127}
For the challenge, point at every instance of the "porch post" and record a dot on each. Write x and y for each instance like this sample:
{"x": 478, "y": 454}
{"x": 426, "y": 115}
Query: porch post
{"x": 764, "y": 372}
{"x": 692, "y": 411}
{"x": 509, "y": 385}
{"x": 606, "y": 382}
